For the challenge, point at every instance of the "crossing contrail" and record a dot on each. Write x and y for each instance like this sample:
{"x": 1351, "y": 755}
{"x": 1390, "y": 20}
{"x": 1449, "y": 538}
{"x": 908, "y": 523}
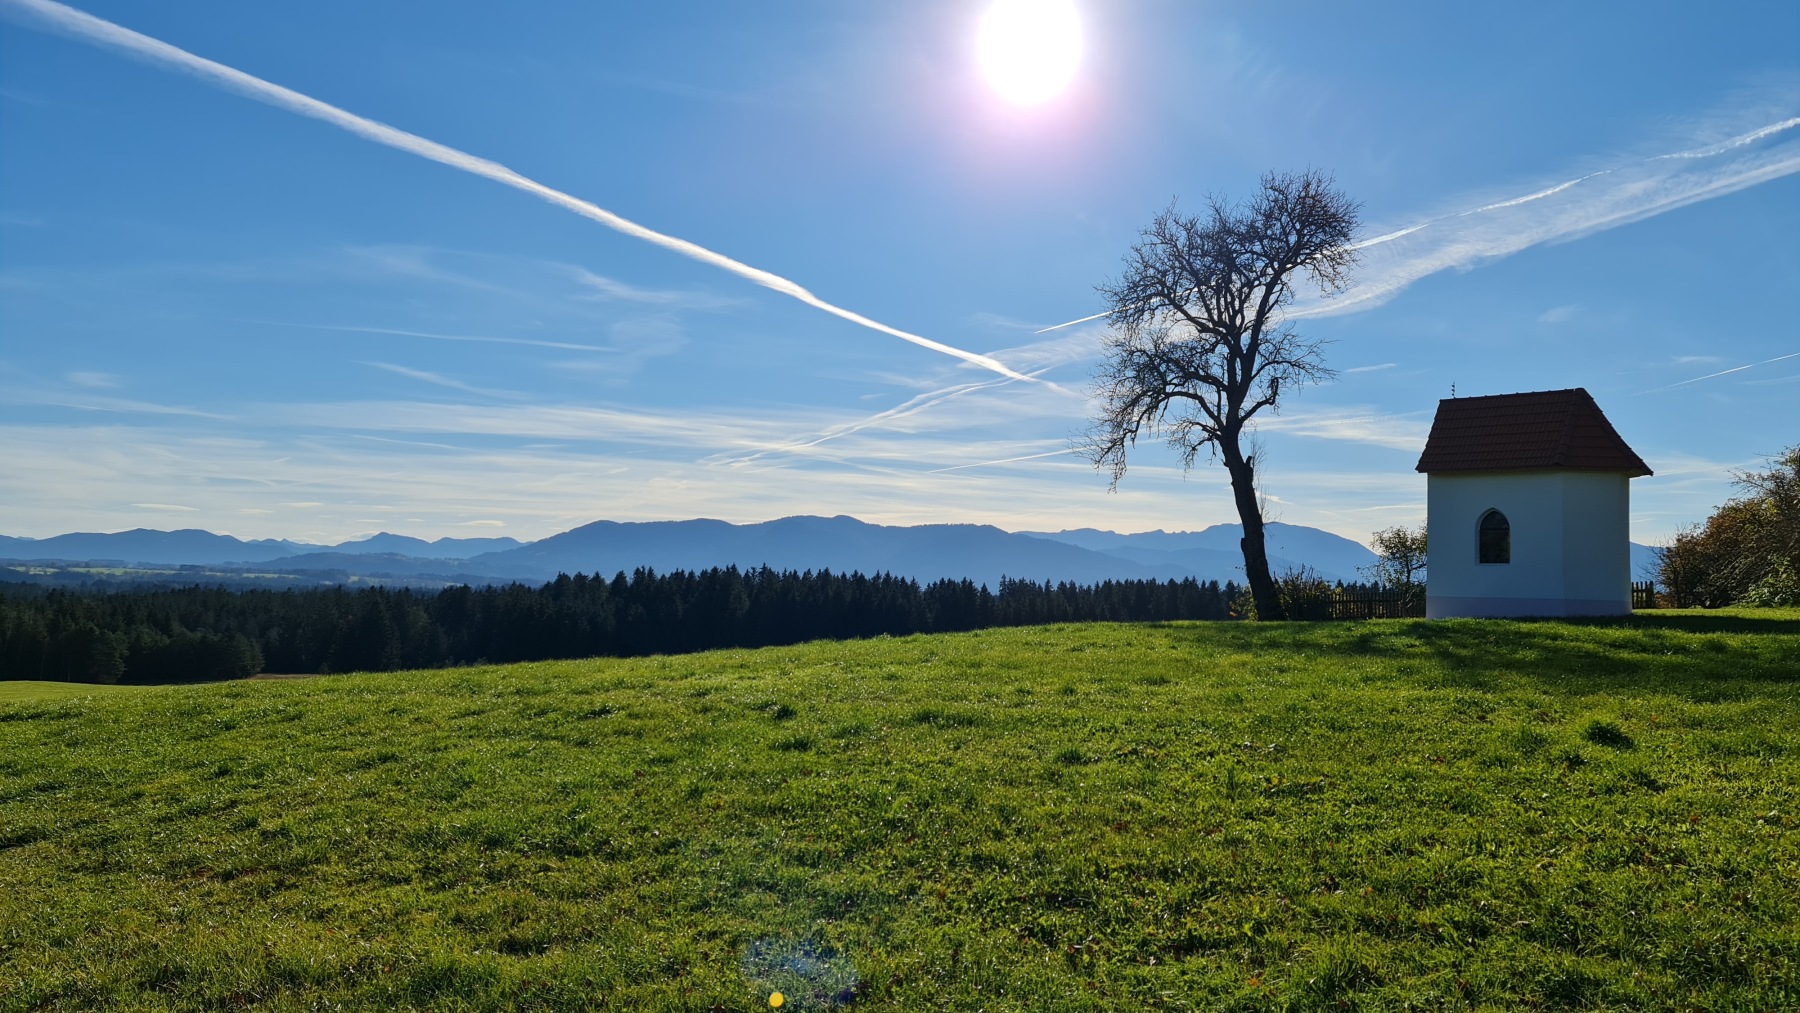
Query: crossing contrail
{"x": 1463, "y": 238}
{"x": 88, "y": 28}
{"x": 911, "y": 406}
{"x": 1551, "y": 191}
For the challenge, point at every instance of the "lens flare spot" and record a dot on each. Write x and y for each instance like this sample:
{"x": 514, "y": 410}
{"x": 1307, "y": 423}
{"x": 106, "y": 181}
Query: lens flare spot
{"x": 1030, "y": 48}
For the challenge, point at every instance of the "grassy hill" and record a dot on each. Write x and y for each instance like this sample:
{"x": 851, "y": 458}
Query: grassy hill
{"x": 1385, "y": 815}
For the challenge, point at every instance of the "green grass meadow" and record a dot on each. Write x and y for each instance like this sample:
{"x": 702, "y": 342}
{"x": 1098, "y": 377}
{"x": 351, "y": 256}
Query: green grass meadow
{"x": 1380, "y": 816}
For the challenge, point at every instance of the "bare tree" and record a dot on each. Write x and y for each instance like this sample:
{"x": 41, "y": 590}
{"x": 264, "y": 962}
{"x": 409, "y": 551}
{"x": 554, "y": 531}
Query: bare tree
{"x": 1199, "y": 343}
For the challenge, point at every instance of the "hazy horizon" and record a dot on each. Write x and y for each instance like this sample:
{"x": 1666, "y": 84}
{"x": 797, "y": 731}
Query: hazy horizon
{"x": 664, "y": 520}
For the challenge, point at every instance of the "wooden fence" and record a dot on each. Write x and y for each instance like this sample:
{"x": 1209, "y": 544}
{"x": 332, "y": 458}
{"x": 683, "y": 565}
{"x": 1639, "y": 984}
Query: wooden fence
{"x": 1399, "y": 604}
{"x": 1358, "y": 604}
{"x": 1380, "y": 605}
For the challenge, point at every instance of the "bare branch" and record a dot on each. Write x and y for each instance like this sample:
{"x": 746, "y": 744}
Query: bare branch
{"x": 1199, "y": 346}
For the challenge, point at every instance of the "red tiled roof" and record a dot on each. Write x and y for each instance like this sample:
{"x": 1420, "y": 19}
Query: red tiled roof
{"x": 1516, "y": 432}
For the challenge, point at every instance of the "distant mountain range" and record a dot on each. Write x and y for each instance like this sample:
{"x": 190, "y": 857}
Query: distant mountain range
{"x": 841, "y": 544}
{"x": 191, "y": 546}
{"x": 927, "y": 552}
{"x": 1215, "y": 550}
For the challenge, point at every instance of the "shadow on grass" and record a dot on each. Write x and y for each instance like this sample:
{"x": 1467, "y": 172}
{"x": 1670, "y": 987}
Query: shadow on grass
{"x": 1693, "y": 622}
{"x": 1696, "y": 656}
{"x": 10, "y": 687}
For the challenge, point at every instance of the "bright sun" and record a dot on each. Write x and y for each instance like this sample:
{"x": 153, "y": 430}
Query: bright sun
{"x": 1029, "y": 48}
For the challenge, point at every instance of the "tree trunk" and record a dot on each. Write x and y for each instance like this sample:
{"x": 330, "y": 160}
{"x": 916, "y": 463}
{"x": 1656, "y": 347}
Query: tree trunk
{"x": 1256, "y": 556}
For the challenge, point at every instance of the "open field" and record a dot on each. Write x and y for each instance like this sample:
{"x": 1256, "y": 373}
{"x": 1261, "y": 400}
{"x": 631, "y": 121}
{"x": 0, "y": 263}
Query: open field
{"x": 1384, "y": 815}
{"x": 121, "y": 577}
{"x": 28, "y": 692}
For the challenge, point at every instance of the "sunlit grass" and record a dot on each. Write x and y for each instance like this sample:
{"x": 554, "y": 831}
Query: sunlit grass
{"x": 1380, "y": 815}
{"x": 12, "y": 692}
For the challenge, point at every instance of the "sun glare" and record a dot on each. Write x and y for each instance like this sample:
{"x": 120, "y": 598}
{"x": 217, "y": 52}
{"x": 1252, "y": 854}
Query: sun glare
{"x": 1029, "y": 48}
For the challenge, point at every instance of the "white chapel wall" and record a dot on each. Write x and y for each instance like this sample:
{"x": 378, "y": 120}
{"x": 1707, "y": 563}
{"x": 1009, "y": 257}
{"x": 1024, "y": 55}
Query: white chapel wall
{"x": 1569, "y": 544}
{"x": 1597, "y": 517}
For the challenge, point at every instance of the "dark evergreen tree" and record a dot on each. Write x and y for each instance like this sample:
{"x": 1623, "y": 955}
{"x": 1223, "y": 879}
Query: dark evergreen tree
{"x": 195, "y": 633}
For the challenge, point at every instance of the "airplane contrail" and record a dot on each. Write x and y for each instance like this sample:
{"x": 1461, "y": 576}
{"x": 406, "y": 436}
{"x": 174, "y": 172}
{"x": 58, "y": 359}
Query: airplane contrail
{"x": 1605, "y": 211}
{"x": 482, "y": 338}
{"x": 911, "y": 406}
{"x": 1071, "y": 323}
{"x": 1004, "y": 460}
{"x": 1550, "y": 191}
{"x": 1723, "y": 372}
{"x": 89, "y": 28}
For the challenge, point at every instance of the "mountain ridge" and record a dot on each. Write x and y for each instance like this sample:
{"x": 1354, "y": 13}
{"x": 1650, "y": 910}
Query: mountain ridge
{"x": 841, "y": 544}
{"x": 980, "y": 552}
{"x": 195, "y": 546}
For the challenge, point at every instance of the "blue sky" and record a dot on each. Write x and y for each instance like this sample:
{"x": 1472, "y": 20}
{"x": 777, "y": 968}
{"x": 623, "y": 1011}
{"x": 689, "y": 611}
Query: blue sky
{"x": 217, "y": 313}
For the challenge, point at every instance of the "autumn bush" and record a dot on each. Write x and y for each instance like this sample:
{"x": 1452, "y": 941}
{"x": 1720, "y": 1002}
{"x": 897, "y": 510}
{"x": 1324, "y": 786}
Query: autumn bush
{"x": 1748, "y": 551}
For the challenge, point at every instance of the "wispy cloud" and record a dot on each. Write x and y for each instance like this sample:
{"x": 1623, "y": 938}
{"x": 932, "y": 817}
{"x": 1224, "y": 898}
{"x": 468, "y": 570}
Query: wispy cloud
{"x": 438, "y": 379}
{"x": 1558, "y": 314}
{"x": 167, "y": 506}
{"x": 999, "y": 321}
{"x": 26, "y": 98}
{"x": 480, "y": 271}
{"x": 1570, "y": 209}
{"x": 1577, "y": 207}
{"x": 674, "y": 428}
{"x": 118, "y": 405}
{"x": 649, "y": 337}
{"x": 321, "y": 470}
{"x": 61, "y": 478}
{"x": 569, "y": 346}
{"x": 612, "y": 288}
{"x": 912, "y": 406}
{"x": 96, "y": 30}
{"x": 411, "y": 262}
{"x": 1064, "y": 452}
{"x": 81, "y": 379}
{"x": 1404, "y": 431}
{"x": 1063, "y": 350}
{"x": 901, "y": 443}
{"x": 405, "y": 443}
{"x": 1371, "y": 369}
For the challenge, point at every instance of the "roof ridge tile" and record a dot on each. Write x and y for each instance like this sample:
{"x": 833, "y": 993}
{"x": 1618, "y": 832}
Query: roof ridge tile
{"x": 1533, "y": 430}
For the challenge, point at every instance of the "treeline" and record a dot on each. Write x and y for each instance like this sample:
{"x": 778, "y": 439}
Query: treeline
{"x": 203, "y": 633}
{"x": 1748, "y": 551}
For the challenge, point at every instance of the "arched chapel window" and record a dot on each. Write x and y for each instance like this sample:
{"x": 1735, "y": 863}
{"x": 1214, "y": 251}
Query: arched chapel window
{"x": 1496, "y": 538}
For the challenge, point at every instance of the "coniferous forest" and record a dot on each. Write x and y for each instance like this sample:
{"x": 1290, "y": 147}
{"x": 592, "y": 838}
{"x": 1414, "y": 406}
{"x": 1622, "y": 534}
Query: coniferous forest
{"x": 201, "y": 633}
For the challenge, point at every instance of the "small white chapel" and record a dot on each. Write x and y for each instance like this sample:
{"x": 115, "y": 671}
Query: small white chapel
{"x": 1527, "y": 507}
